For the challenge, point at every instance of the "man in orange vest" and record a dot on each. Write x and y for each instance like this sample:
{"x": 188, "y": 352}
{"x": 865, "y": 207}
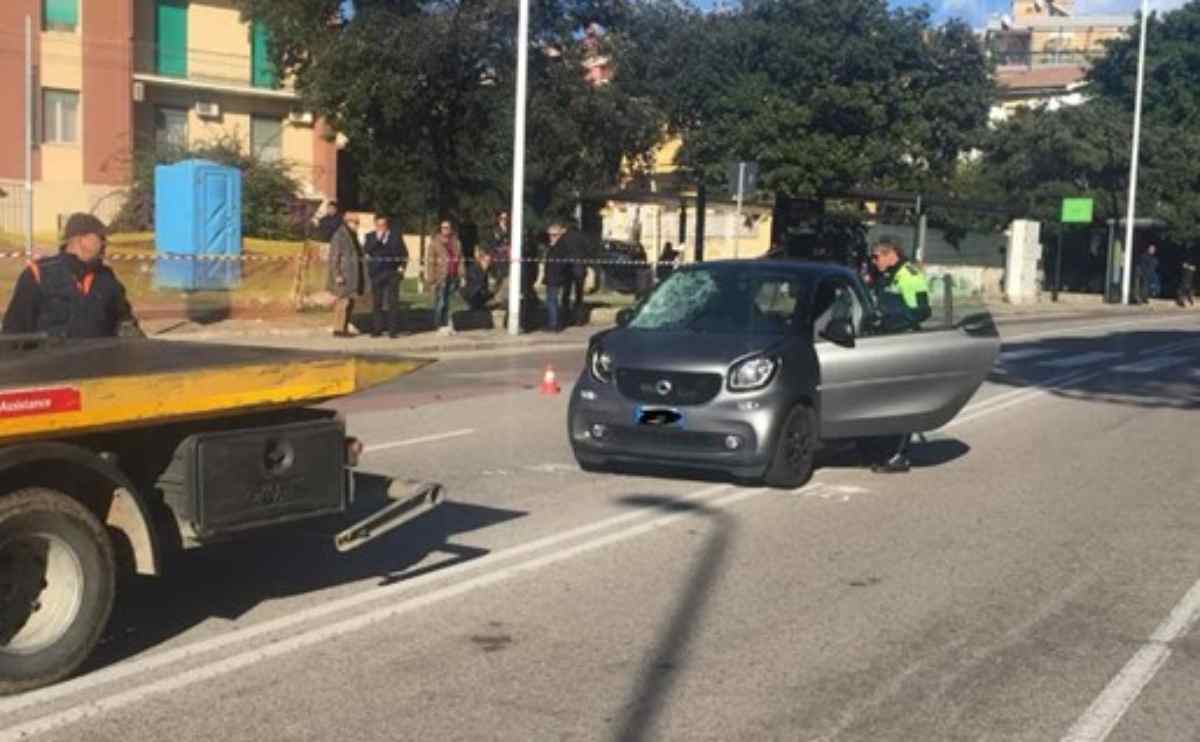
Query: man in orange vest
{"x": 72, "y": 294}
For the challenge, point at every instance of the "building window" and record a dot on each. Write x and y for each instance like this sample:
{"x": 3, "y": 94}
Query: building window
{"x": 171, "y": 128}
{"x": 262, "y": 71}
{"x": 60, "y": 15}
{"x": 170, "y": 37}
{"x": 266, "y": 138}
{"x": 60, "y": 117}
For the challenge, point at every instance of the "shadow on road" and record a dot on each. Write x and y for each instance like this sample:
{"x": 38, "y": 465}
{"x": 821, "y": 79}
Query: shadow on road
{"x": 227, "y": 580}
{"x": 666, "y": 660}
{"x": 1175, "y": 385}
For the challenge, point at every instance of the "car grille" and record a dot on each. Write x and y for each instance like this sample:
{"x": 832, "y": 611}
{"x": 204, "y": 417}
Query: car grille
{"x": 686, "y": 389}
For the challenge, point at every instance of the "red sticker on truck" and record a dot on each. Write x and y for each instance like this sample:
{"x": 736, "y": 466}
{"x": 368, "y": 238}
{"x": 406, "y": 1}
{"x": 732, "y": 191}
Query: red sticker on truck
{"x": 48, "y": 401}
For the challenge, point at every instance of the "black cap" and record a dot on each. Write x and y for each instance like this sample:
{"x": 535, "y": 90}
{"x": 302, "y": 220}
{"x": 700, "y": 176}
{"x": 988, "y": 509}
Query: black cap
{"x": 80, "y": 224}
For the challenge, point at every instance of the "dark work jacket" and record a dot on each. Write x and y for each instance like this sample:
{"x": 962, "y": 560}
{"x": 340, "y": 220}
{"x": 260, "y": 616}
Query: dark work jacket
{"x": 386, "y": 257}
{"x": 475, "y": 287}
{"x": 63, "y": 298}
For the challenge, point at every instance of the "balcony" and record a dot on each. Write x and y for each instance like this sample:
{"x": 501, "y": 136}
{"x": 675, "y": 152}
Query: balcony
{"x": 1016, "y": 60}
{"x": 200, "y": 69}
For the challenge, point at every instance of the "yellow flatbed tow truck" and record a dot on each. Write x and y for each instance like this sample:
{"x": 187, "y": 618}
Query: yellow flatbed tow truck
{"x": 115, "y": 454}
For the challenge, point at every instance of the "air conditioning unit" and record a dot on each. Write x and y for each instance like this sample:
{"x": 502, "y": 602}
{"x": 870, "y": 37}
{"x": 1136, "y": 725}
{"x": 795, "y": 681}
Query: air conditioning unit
{"x": 208, "y": 110}
{"x": 139, "y": 91}
{"x": 300, "y": 118}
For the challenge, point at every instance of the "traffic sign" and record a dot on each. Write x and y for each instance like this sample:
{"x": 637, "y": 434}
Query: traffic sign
{"x": 742, "y": 178}
{"x": 1077, "y": 211}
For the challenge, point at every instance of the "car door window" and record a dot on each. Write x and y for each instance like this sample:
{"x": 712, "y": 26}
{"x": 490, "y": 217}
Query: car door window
{"x": 835, "y": 299}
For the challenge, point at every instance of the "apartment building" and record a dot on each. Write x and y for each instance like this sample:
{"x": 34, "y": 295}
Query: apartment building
{"x": 112, "y": 77}
{"x": 1043, "y": 50}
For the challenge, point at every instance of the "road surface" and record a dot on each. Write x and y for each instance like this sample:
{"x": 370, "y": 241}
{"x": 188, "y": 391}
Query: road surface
{"x": 1034, "y": 577}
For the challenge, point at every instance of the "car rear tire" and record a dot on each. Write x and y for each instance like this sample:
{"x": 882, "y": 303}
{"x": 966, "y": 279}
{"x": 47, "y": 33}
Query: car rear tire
{"x": 795, "y": 451}
{"x": 57, "y": 584}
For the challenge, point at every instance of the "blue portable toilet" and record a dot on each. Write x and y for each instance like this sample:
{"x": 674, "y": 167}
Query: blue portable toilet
{"x": 197, "y": 226}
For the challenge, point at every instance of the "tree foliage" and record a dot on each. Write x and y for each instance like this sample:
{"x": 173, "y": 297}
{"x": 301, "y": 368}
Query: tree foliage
{"x": 1042, "y": 156}
{"x": 827, "y": 96}
{"x": 424, "y": 92}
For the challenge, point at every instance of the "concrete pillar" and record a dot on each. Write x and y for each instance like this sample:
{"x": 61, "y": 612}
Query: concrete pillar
{"x": 1023, "y": 259}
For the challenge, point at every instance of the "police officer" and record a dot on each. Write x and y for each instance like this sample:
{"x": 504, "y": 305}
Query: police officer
{"x": 899, "y": 277}
{"x": 900, "y": 284}
{"x": 72, "y": 294}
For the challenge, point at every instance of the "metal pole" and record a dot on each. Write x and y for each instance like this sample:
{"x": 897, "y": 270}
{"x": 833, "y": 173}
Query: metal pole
{"x": 517, "y": 215}
{"x": 1057, "y": 266}
{"x": 1131, "y": 208}
{"x": 29, "y": 137}
{"x": 737, "y": 224}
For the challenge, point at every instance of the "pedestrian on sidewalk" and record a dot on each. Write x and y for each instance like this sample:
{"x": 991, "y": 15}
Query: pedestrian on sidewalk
{"x": 500, "y": 248}
{"x": 1186, "y": 283}
{"x": 569, "y": 248}
{"x": 1148, "y": 275}
{"x": 387, "y": 261}
{"x": 475, "y": 291}
{"x": 558, "y": 278}
{"x": 443, "y": 273}
{"x": 346, "y": 280}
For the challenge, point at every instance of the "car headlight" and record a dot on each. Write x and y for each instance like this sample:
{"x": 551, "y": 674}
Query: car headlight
{"x": 752, "y": 373}
{"x": 601, "y": 364}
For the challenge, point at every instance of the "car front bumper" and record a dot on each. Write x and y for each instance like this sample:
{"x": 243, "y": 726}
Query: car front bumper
{"x": 733, "y": 433}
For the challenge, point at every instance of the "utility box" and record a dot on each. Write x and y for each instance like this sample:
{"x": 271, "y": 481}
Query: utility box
{"x": 197, "y": 226}
{"x": 1021, "y": 285}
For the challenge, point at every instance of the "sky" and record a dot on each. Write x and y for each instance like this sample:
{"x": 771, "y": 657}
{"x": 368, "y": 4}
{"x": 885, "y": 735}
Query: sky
{"x": 976, "y": 12}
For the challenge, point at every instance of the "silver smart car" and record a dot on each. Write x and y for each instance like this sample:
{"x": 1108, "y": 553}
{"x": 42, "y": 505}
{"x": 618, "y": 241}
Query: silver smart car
{"x": 748, "y": 367}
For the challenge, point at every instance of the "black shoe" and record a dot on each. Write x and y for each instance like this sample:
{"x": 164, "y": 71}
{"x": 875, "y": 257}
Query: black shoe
{"x": 376, "y": 334}
{"x": 897, "y": 464}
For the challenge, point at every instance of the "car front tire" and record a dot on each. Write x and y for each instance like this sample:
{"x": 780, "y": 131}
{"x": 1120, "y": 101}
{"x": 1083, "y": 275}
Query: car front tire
{"x": 795, "y": 450}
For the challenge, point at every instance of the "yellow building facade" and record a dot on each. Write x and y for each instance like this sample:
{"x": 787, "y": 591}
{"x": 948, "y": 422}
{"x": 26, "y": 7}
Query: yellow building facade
{"x": 116, "y": 77}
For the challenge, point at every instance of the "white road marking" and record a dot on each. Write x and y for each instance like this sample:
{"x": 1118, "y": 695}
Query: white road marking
{"x": 1118, "y": 696}
{"x": 205, "y": 646}
{"x": 418, "y": 441}
{"x": 1150, "y": 365}
{"x": 1082, "y": 359}
{"x": 322, "y": 634}
{"x": 1023, "y": 354}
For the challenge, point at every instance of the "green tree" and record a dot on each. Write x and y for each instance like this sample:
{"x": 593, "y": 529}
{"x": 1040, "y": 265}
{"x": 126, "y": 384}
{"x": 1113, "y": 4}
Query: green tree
{"x": 424, "y": 91}
{"x": 827, "y": 96}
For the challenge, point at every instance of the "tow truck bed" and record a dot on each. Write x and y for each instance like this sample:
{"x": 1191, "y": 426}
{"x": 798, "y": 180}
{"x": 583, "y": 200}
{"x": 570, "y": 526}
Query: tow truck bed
{"x": 106, "y": 385}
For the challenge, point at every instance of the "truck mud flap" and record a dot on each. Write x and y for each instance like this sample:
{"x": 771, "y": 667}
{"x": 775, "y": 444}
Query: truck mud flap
{"x": 408, "y": 502}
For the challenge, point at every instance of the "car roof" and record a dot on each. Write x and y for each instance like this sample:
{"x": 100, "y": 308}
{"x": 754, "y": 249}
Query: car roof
{"x": 807, "y": 267}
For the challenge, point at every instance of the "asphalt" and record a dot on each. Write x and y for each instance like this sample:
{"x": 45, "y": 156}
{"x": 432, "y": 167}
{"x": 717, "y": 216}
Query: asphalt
{"x": 1041, "y": 551}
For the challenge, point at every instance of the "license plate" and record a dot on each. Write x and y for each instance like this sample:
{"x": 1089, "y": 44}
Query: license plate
{"x": 658, "y": 417}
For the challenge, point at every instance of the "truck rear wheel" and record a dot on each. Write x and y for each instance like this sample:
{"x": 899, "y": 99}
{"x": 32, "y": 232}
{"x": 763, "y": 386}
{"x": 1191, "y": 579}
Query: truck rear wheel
{"x": 57, "y": 582}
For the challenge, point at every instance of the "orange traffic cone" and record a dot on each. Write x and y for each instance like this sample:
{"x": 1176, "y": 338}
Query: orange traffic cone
{"x": 549, "y": 382}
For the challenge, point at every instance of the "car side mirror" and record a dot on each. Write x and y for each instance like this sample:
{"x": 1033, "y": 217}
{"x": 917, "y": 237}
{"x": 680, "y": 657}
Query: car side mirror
{"x": 840, "y": 331}
{"x": 624, "y": 316}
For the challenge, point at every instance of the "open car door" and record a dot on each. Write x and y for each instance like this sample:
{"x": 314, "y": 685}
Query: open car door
{"x": 880, "y": 375}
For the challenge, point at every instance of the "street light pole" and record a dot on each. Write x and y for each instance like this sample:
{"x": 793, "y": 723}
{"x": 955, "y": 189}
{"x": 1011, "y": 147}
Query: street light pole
{"x": 517, "y": 213}
{"x": 1131, "y": 208}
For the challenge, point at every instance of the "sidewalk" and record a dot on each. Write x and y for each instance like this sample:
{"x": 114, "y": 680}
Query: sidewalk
{"x": 311, "y": 331}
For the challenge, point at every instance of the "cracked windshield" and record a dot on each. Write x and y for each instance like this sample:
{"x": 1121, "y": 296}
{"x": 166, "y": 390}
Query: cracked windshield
{"x": 599, "y": 370}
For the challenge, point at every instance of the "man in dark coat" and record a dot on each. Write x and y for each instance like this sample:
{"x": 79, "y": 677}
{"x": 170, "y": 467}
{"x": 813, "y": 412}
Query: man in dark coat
{"x": 573, "y": 248}
{"x": 475, "y": 291}
{"x": 346, "y": 279}
{"x": 72, "y": 294}
{"x": 329, "y": 223}
{"x": 558, "y": 277}
{"x": 387, "y": 259}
